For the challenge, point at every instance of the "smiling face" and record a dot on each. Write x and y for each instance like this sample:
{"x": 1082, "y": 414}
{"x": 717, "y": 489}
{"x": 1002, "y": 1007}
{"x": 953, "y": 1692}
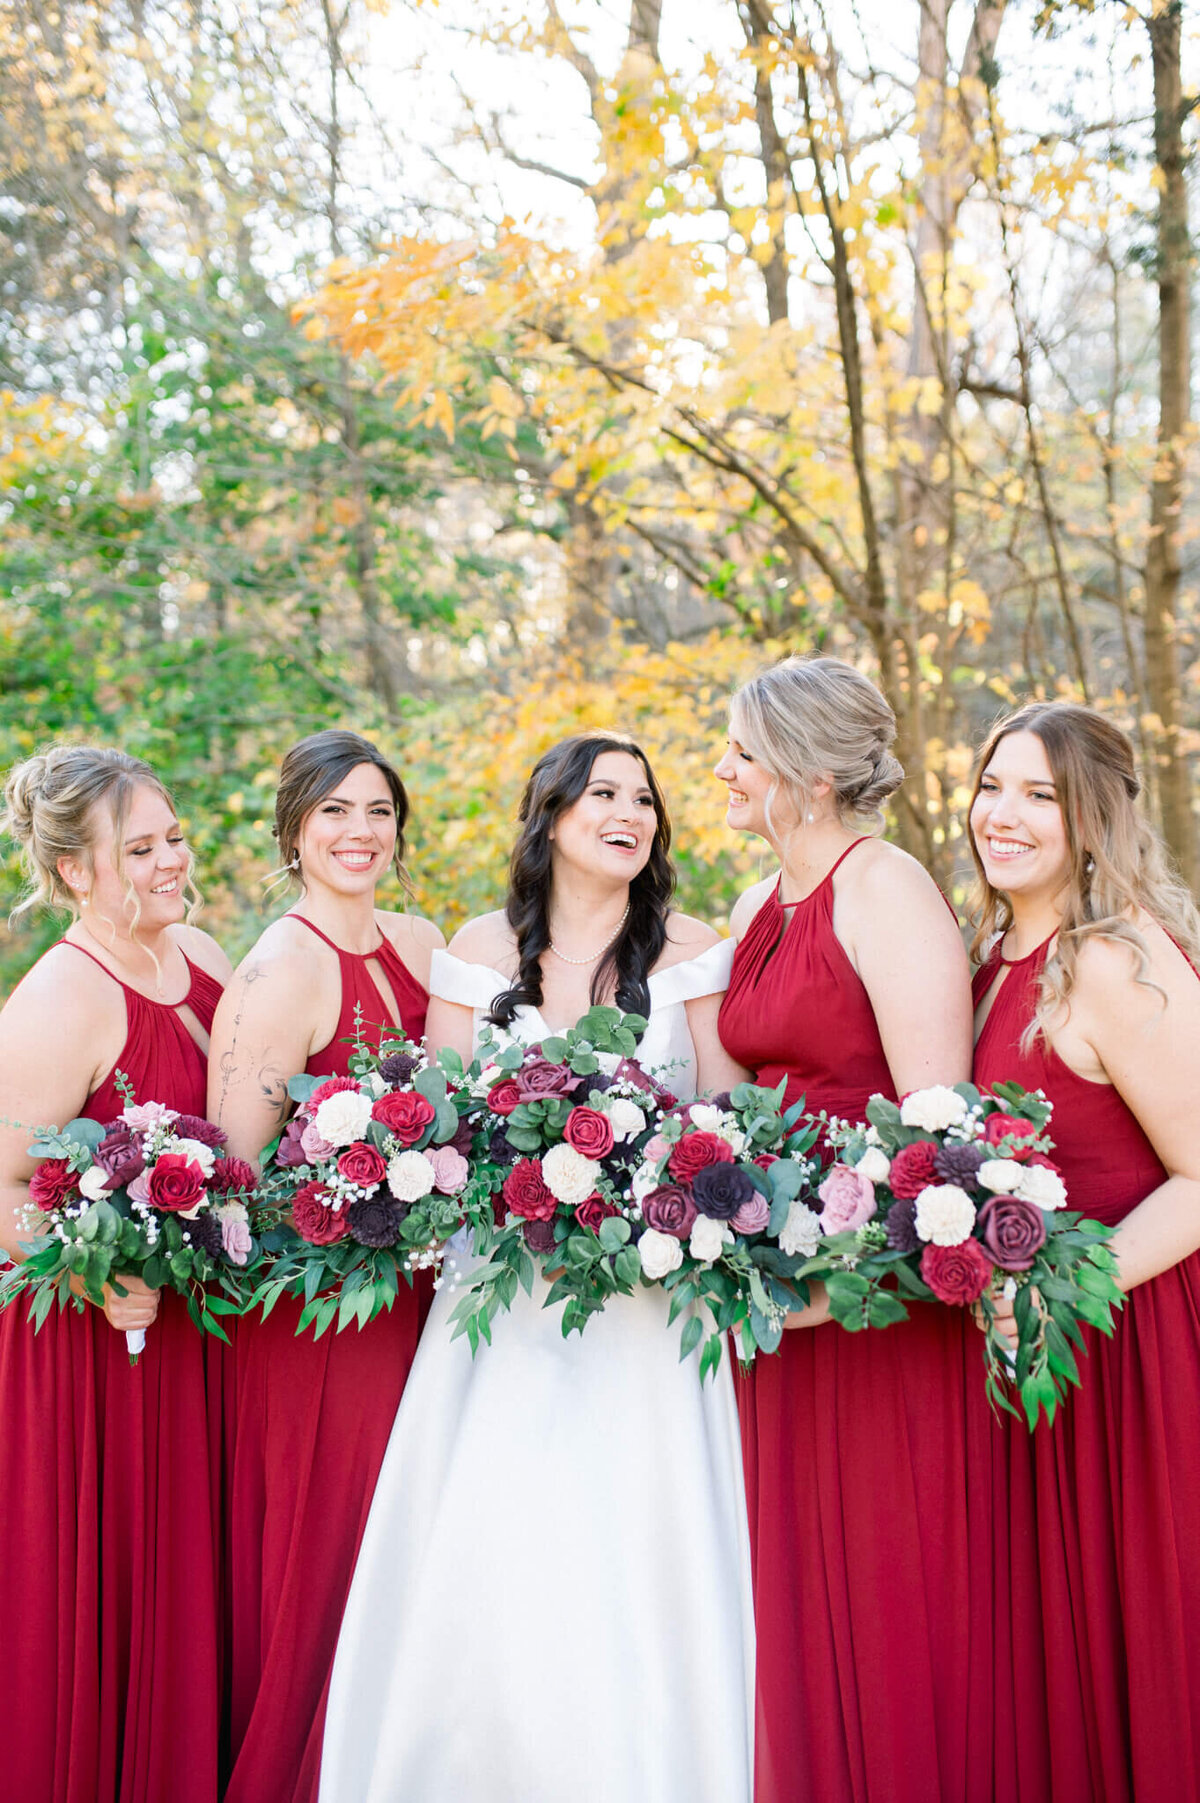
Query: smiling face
{"x": 609, "y": 830}
{"x": 348, "y": 839}
{"x": 139, "y": 868}
{"x": 750, "y": 785}
{"x": 1017, "y": 823}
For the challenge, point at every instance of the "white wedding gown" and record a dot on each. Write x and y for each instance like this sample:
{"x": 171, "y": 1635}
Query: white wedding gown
{"x": 552, "y": 1602}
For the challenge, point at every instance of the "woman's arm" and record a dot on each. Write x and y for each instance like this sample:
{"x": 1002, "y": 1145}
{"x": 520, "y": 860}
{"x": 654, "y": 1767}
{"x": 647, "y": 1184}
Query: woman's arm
{"x": 449, "y": 1025}
{"x": 262, "y": 1034}
{"x": 715, "y": 1069}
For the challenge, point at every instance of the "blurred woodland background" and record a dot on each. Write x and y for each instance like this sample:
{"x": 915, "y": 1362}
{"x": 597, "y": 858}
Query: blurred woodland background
{"x": 465, "y": 373}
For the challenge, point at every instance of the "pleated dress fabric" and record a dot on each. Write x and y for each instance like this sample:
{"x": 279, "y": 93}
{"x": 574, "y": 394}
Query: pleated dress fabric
{"x": 1100, "y": 1573}
{"x": 310, "y": 1421}
{"x": 867, "y": 1459}
{"x": 109, "y": 1650}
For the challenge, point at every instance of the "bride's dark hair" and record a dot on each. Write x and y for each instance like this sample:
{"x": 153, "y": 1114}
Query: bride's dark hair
{"x": 556, "y": 782}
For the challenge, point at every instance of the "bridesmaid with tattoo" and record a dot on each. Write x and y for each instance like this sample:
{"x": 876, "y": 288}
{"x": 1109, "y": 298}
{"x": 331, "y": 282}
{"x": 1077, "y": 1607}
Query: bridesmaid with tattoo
{"x": 309, "y": 1418}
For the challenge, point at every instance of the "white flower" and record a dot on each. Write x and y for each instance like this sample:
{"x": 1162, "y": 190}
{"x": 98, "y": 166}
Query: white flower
{"x": 625, "y": 1118}
{"x": 801, "y": 1232}
{"x": 343, "y": 1118}
{"x": 1002, "y": 1175}
{"x": 195, "y": 1149}
{"x": 93, "y": 1184}
{"x": 568, "y": 1175}
{"x": 609, "y": 1063}
{"x": 874, "y": 1164}
{"x": 945, "y": 1214}
{"x": 1042, "y": 1187}
{"x": 706, "y": 1118}
{"x": 645, "y": 1178}
{"x": 933, "y": 1110}
{"x": 410, "y": 1174}
{"x": 374, "y": 1084}
{"x": 660, "y": 1253}
{"x": 708, "y": 1239}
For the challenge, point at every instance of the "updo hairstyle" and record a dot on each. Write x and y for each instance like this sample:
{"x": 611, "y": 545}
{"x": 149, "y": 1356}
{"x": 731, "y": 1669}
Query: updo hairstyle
{"x": 813, "y": 719}
{"x": 312, "y": 770}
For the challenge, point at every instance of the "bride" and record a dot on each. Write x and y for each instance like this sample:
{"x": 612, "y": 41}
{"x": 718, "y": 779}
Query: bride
{"x": 552, "y": 1600}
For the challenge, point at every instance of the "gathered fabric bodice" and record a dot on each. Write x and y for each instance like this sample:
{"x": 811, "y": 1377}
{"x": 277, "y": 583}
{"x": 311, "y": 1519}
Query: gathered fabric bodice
{"x": 363, "y": 1004}
{"x": 1107, "y": 1162}
{"x": 160, "y": 1057}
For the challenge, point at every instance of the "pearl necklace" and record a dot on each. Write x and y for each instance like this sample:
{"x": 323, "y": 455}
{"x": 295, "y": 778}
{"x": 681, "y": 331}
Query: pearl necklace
{"x": 591, "y": 958}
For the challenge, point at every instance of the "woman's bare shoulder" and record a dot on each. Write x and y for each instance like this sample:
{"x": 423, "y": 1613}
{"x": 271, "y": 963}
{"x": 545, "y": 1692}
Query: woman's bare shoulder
{"x": 748, "y": 904}
{"x": 488, "y": 939}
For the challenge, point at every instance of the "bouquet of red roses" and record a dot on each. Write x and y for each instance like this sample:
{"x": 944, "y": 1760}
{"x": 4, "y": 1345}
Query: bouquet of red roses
{"x": 367, "y": 1183}
{"x": 151, "y": 1195}
{"x": 952, "y": 1196}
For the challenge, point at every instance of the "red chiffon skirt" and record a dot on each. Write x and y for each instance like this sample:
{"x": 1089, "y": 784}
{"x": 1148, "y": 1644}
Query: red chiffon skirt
{"x": 312, "y": 1423}
{"x": 108, "y": 1658}
{"x": 870, "y": 1481}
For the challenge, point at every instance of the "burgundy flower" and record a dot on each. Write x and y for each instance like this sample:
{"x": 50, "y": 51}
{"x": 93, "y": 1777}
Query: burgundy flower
{"x": 719, "y": 1190}
{"x": 175, "y": 1184}
{"x": 364, "y": 1165}
{"x": 526, "y": 1193}
{"x": 332, "y": 1086}
{"x": 913, "y": 1168}
{"x": 504, "y": 1096}
{"x": 194, "y": 1126}
{"x": 230, "y": 1174}
{"x": 290, "y": 1152}
{"x": 406, "y": 1113}
{"x": 902, "y": 1235}
{"x": 539, "y": 1236}
{"x": 398, "y": 1067}
{"x": 119, "y": 1155}
{"x": 590, "y": 1132}
{"x": 375, "y": 1221}
{"x": 1012, "y": 1231}
{"x": 629, "y": 1071}
{"x": 205, "y": 1231}
{"x": 957, "y": 1274}
{"x": 314, "y": 1220}
{"x": 464, "y": 1137}
{"x": 1000, "y": 1126}
{"x": 669, "y": 1209}
{"x": 499, "y": 1148}
{"x": 52, "y": 1184}
{"x": 538, "y": 1078}
{"x": 592, "y": 1210}
{"x": 694, "y": 1152}
{"x": 959, "y": 1164}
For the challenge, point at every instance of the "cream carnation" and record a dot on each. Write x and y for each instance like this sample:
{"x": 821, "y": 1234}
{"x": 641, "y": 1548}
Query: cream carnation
{"x": 660, "y": 1253}
{"x": 874, "y": 1164}
{"x": 801, "y": 1233}
{"x": 343, "y": 1118}
{"x": 933, "y": 1110}
{"x": 1043, "y": 1187}
{"x": 624, "y": 1117}
{"x": 1001, "y": 1175}
{"x": 568, "y": 1175}
{"x": 94, "y": 1183}
{"x": 945, "y": 1214}
{"x": 708, "y": 1239}
{"x": 410, "y": 1174}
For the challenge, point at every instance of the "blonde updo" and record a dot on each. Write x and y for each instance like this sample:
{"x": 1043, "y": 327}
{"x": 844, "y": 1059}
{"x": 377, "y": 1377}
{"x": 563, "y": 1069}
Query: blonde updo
{"x": 813, "y": 719}
{"x": 48, "y": 811}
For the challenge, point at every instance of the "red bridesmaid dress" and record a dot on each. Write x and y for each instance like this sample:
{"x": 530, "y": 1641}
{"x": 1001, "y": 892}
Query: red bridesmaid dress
{"x": 1106, "y": 1570}
{"x": 874, "y": 1632}
{"x": 109, "y": 1651}
{"x": 312, "y": 1419}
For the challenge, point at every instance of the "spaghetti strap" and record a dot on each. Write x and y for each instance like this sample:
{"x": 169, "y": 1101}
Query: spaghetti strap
{"x": 861, "y": 840}
{"x": 320, "y": 935}
{"x": 96, "y": 961}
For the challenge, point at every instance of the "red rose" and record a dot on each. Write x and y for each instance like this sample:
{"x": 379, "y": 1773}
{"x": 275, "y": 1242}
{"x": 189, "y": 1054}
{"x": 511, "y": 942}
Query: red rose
{"x": 526, "y": 1193}
{"x": 1001, "y": 1126}
{"x": 694, "y": 1152}
{"x": 52, "y": 1184}
{"x": 765, "y": 1160}
{"x": 333, "y": 1086}
{"x": 590, "y": 1132}
{"x": 406, "y": 1113}
{"x": 314, "y": 1220}
{"x": 504, "y": 1096}
{"x": 957, "y": 1274}
{"x": 913, "y": 1169}
{"x": 231, "y": 1173}
{"x": 592, "y": 1210}
{"x": 175, "y": 1183}
{"x": 1040, "y": 1158}
{"x": 362, "y": 1164}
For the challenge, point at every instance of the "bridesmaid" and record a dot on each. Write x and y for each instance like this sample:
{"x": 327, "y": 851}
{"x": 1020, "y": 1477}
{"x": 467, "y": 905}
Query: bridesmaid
{"x": 311, "y": 1418}
{"x": 109, "y": 1655}
{"x": 1087, "y": 993}
{"x": 850, "y": 977}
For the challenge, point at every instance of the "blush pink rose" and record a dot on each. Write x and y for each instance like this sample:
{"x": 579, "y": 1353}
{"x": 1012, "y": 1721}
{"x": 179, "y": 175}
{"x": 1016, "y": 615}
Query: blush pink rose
{"x": 450, "y": 1169}
{"x": 753, "y": 1216}
{"x": 313, "y": 1146}
{"x": 848, "y": 1199}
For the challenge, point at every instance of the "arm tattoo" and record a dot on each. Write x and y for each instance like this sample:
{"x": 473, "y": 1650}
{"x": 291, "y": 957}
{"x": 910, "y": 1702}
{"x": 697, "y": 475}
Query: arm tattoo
{"x": 229, "y": 1067}
{"x": 273, "y": 1087}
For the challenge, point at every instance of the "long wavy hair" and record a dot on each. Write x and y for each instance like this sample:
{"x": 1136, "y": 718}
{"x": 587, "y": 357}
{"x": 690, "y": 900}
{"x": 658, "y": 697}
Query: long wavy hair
{"x": 1117, "y": 864}
{"x": 556, "y": 782}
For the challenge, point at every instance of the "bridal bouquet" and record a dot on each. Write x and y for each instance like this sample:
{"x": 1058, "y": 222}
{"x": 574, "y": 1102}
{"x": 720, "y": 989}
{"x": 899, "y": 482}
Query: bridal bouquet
{"x": 951, "y": 1195}
{"x": 367, "y": 1183}
{"x": 722, "y": 1222}
{"x": 150, "y": 1194}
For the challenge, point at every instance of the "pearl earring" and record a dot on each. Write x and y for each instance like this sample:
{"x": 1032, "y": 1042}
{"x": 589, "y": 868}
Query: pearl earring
{"x": 809, "y": 817}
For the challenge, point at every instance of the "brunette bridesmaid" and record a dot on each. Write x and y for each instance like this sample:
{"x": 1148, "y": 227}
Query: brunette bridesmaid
{"x": 1089, "y": 991}
{"x": 109, "y": 1653}
{"x": 311, "y": 1418}
{"x": 850, "y": 977}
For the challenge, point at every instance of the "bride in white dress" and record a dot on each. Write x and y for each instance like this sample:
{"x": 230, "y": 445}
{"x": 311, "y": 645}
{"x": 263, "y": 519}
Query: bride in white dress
{"x": 552, "y": 1602}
